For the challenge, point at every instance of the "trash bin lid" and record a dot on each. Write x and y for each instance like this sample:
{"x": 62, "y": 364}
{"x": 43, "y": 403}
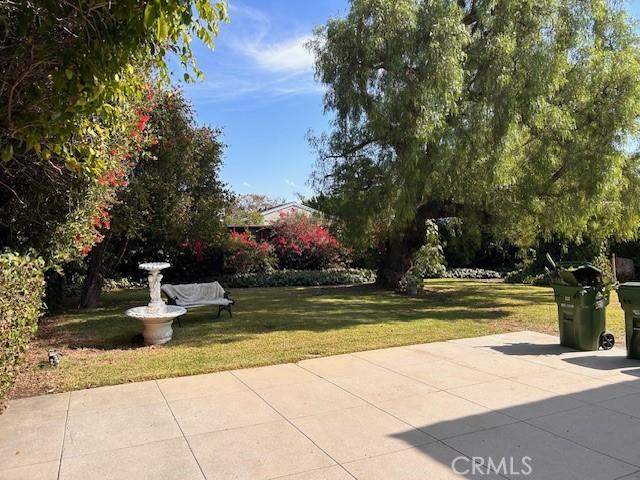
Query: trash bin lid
{"x": 629, "y": 293}
{"x": 579, "y": 273}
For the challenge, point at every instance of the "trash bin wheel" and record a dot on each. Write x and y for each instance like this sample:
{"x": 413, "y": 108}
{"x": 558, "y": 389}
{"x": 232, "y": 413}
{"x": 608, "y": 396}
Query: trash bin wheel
{"x": 607, "y": 341}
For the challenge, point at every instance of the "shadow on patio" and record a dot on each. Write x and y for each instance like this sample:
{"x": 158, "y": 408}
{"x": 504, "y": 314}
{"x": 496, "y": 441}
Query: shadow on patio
{"x": 590, "y": 432}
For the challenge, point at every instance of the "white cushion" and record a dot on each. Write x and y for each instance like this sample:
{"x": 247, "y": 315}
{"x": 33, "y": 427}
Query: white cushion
{"x": 197, "y": 294}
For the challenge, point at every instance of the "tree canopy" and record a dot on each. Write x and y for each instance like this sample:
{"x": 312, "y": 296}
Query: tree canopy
{"x": 77, "y": 79}
{"x": 66, "y": 64}
{"x": 524, "y": 113}
{"x": 175, "y": 199}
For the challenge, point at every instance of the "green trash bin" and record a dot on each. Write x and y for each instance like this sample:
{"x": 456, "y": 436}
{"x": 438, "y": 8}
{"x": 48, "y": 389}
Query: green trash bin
{"x": 582, "y": 317}
{"x": 629, "y": 296}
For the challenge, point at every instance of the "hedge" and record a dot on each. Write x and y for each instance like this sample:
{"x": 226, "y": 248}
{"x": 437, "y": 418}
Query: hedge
{"x": 298, "y": 278}
{"x": 21, "y": 290}
{"x": 472, "y": 273}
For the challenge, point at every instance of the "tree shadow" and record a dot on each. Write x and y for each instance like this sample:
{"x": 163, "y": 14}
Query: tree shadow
{"x": 310, "y": 309}
{"x": 577, "y": 435}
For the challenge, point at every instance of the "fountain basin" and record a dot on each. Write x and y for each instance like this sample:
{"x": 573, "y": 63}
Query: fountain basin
{"x": 156, "y": 323}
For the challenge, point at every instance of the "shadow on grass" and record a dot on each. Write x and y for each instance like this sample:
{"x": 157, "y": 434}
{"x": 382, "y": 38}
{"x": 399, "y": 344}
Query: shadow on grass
{"x": 313, "y": 309}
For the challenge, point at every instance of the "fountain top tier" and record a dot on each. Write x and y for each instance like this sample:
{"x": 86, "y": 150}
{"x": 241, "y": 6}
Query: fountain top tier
{"x": 154, "y": 266}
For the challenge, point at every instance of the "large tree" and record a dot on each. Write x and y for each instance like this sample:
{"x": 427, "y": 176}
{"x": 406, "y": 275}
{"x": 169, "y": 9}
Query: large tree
{"x": 74, "y": 90}
{"x": 174, "y": 196}
{"x": 521, "y": 113}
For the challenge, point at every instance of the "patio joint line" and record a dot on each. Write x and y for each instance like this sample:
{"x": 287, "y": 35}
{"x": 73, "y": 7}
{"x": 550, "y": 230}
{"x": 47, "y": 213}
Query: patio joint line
{"x": 296, "y": 427}
{"x": 441, "y": 442}
{"x": 586, "y": 402}
{"x": 437, "y": 389}
{"x": 627, "y": 475}
{"x": 181, "y": 431}
{"x": 317, "y": 469}
{"x": 383, "y": 411}
{"x": 504, "y": 355}
{"x": 471, "y": 400}
{"x": 581, "y": 445}
{"x": 517, "y": 420}
{"x": 64, "y": 435}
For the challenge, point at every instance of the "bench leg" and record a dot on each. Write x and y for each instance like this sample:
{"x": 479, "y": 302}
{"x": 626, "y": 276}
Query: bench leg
{"x": 179, "y": 322}
{"x": 224, "y": 307}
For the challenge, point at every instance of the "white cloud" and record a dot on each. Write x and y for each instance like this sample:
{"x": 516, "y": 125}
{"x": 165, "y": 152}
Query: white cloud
{"x": 259, "y": 57}
{"x": 246, "y": 184}
{"x": 291, "y": 183}
{"x": 287, "y": 56}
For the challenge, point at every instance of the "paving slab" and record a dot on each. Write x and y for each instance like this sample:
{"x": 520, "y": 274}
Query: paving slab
{"x": 199, "y": 385}
{"x": 114, "y": 397}
{"x": 257, "y": 452}
{"x": 395, "y": 413}
{"x": 396, "y": 357}
{"x": 121, "y": 428}
{"x": 443, "y": 415}
{"x": 443, "y": 374}
{"x": 339, "y": 366}
{"x": 629, "y": 404}
{"x": 24, "y": 442}
{"x": 330, "y": 473}
{"x": 381, "y": 386}
{"x": 221, "y": 412}
{"x": 612, "y": 433}
{"x": 164, "y": 460}
{"x": 39, "y": 471}
{"x": 432, "y": 462}
{"x": 549, "y": 456}
{"x": 309, "y": 398}
{"x": 360, "y": 432}
{"x": 274, "y": 375}
{"x": 516, "y": 399}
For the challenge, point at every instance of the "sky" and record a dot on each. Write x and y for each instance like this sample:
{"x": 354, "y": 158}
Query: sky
{"x": 260, "y": 90}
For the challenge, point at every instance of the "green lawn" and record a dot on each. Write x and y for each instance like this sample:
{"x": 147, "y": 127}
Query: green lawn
{"x": 279, "y": 325}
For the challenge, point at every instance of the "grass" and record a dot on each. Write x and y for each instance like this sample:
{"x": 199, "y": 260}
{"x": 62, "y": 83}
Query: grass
{"x": 277, "y": 325}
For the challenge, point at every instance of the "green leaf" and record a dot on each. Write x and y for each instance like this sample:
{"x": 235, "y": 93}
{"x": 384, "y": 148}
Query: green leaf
{"x": 68, "y": 73}
{"x": 163, "y": 28}
{"x": 7, "y": 153}
{"x": 150, "y": 15}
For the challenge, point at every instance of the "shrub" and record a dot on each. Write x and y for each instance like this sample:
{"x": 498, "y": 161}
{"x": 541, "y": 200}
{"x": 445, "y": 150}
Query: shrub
{"x": 298, "y": 278}
{"x": 246, "y": 255}
{"x": 21, "y": 290}
{"x": 428, "y": 261}
{"x": 473, "y": 273}
{"x": 301, "y": 242}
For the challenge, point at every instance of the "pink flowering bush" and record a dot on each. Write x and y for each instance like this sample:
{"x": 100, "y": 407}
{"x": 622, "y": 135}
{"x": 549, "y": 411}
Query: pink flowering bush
{"x": 246, "y": 255}
{"x": 301, "y": 242}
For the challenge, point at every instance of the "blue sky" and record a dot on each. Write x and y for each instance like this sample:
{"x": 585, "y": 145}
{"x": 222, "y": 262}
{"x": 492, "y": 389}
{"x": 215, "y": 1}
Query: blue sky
{"x": 259, "y": 89}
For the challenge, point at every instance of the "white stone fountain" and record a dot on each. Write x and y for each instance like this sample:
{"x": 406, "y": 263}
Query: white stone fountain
{"x": 156, "y": 317}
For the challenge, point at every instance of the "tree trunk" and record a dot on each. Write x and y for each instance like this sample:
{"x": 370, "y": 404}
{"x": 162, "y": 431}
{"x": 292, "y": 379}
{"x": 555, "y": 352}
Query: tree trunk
{"x": 93, "y": 282}
{"x": 102, "y": 262}
{"x": 400, "y": 248}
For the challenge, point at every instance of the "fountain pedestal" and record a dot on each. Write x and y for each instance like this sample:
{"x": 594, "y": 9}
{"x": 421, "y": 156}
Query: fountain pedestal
{"x": 156, "y": 317}
{"x": 156, "y": 327}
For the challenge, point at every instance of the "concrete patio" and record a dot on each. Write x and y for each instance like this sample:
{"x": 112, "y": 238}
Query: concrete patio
{"x": 399, "y": 413}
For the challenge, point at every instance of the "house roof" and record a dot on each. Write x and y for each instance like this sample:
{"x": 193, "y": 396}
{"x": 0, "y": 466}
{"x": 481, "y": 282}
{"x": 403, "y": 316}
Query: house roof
{"x": 289, "y": 205}
{"x": 279, "y": 208}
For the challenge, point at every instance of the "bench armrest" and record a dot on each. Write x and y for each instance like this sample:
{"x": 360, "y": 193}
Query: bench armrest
{"x": 228, "y": 297}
